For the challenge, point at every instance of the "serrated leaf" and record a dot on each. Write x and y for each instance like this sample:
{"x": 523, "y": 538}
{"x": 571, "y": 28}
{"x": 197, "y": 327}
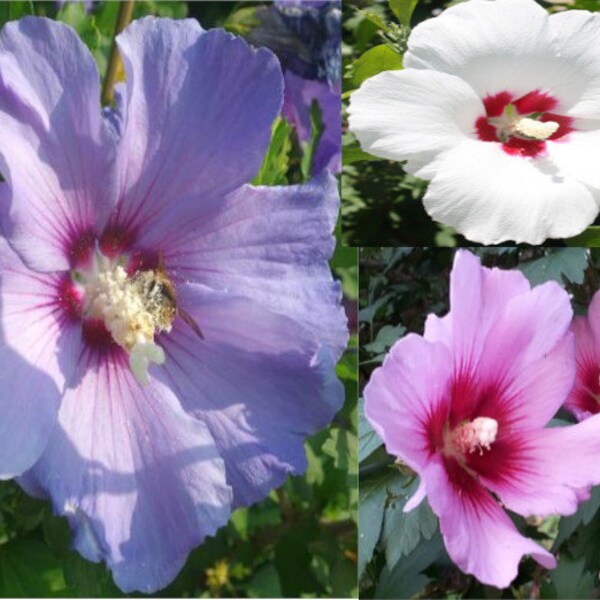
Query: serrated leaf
{"x": 405, "y": 579}
{"x": 563, "y": 264}
{"x": 375, "y": 60}
{"x": 403, "y": 9}
{"x": 403, "y": 531}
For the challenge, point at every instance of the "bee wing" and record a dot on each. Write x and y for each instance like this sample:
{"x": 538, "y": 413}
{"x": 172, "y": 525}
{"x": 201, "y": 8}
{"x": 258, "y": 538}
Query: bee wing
{"x": 190, "y": 321}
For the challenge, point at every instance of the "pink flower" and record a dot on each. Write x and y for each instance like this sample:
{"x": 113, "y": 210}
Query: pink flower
{"x": 465, "y": 406}
{"x": 584, "y": 399}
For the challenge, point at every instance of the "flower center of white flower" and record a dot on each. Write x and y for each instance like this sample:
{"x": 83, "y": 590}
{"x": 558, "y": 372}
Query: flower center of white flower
{"x": 133, "y": 308}
{"x": 529, "y": 127}
{"x": 474, "y": 436}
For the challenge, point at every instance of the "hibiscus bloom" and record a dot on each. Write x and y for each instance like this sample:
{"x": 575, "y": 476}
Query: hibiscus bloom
{"x": 466, "y": 405}
{"x": 169, "y": 332}
{"x": 584, "y": 399}
{"x": 306, "y": 35}
{"x": 498, "y": 107}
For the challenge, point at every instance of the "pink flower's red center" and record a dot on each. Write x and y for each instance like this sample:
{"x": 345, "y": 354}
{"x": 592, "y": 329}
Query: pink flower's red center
{"x": 522, "y": 125}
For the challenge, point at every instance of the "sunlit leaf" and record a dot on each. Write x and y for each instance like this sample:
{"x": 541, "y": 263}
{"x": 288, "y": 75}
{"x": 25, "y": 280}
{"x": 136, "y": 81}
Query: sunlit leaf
{"x": 375, "y": 60}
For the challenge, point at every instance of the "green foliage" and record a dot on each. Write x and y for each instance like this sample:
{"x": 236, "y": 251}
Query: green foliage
{"x": 402, "y": 555}
{"x": 375, "y": 60}
{"x": 309, "y": 148}
{"x": 276, "y": 162}
{"x": 565, "y": 264}
{"x": 403, "y": 9}
{"x": 590, "y": 238}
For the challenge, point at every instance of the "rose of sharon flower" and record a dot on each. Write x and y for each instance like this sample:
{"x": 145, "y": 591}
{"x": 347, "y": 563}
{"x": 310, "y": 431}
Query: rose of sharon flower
{"x": 306, "y": 35}
{"x": 584, "y": 399}
{"x": 181, "y": 325}
{"x": 498, "y": 106}
{"x": 466, "y": 405}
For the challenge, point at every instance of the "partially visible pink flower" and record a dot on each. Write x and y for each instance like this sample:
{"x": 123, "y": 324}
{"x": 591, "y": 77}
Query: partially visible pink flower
{"x": 584, "y": 399}
{"x": 466, "y": 404}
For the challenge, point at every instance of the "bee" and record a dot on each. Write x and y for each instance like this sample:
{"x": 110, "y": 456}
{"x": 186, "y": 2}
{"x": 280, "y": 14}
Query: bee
{"x": 160, "y": 298}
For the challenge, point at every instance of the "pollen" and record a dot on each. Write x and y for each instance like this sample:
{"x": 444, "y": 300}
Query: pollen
{"x": 133, "y": 309}
{"x": 533, "y": 129}
{"x": 477, "y": 435}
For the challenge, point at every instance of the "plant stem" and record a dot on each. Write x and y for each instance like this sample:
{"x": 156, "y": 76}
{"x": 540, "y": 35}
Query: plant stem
{"x": 114, "y": 61}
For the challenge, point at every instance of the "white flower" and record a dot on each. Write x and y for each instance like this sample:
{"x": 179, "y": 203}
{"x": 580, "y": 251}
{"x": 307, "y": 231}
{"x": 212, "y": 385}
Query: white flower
{"x": 499, "y": 106}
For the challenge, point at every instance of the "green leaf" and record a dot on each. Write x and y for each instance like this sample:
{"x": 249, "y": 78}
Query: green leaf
{"x": 293, "y": 563}
{"x": 403, "y": 9}
{"x": 368, "y": 440}
{"x": 376, "y": 17}
{"x": 563, "y": 264}
{"x": 352, "y": 154}
{"x": 375, "y": 60}
{"x": 28, "y": 569}
{"x": 21, "y": 9}
{"x": 264, "y": 583}
{"x": 585, "y": 513}
{"x": 590, "y": 238}
{"x": 242, "y": 21}
{"x": 343, "y": 578}
{"x": 310, "y": 148}
{"x": 403, "y": 531}
{"x": 342, "y": 447}
{"x": 405, "y": 578}
{"x": 273, "y": 170}
{"x": 386, "y": 337}
{"x": 371, "y": 506}
{"x": 569, "y": 580}
{"x": 87, "y": 579}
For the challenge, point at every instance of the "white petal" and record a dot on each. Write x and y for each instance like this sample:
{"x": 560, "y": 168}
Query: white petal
{"x": 578, "y": 156}
{"x": 504, "y": 45}
{"x": 413, "y": 114}
{"x": 491, "y": 197}
{"x": 577, "y": 33}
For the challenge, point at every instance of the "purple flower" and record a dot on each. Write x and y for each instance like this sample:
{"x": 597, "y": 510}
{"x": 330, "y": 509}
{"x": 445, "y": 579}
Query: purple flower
{"x": 170, "y": 332}
{"x": 306, "y": 35}
{"x": 466, "y": 407}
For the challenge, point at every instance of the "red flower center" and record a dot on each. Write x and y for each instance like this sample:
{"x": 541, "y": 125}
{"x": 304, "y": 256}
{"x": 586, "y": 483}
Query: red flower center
{"x": 518, "y": 124}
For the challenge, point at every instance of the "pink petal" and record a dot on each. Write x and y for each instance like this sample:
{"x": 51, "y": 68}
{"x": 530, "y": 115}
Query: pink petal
{"x": 479, "y": 536}
{"x": 544, "y": 472}
{"x": 407, "y": 400}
